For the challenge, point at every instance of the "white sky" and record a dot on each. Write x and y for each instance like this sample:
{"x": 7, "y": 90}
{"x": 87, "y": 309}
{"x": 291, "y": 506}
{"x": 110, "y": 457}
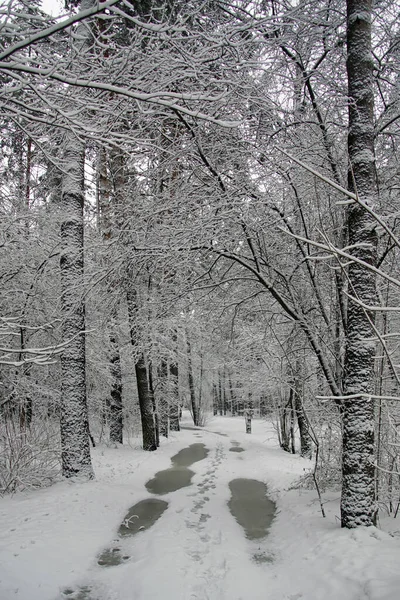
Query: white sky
{"x": 53, "y": 7}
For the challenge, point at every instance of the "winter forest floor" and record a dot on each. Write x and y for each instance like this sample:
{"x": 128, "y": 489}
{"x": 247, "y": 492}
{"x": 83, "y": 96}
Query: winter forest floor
{"x": 50, "y": 539}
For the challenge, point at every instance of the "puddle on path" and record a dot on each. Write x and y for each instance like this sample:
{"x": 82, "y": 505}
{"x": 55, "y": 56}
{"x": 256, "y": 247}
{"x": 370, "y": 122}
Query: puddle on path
{"x": 170, "y": 480}
{"x": 140, "y": 517}
{"x": 236, "y": 447}
{"x": 190, "y": 455}
{"x": 177, "y": 476}
{"x": 251, "y": 507}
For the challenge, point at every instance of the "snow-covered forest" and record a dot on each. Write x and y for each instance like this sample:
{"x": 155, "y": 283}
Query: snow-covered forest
{"x": 200, "y": 216}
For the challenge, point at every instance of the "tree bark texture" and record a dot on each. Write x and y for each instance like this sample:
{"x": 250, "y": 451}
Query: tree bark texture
{"x": 305, "y": 439}
{"x": 215, "y": 400}
{"x": 116, "y": 412}
{"x": 174, "y": 406}
{"x": 75, "y": 450}
{"x": 146, "y": 405}
{"x": 357, "y": 501}
{"x": 163, "y": 406}
{"x": 145, "y": 392}
{"x": 193, "y": 403}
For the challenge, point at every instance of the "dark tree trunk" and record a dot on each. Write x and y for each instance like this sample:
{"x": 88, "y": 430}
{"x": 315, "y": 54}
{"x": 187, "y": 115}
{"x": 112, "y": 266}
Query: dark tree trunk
{"x": 193, "y": 403}
{"x": 145, "y": 392}
{"x": 298, "y": 406}
{"x": 215, "y": 400}
{"x": 292, "y": 410}
{"x": 357, "y": 502}
{"x": 286, "y": 422}
{"x": 163, "y": 406}
{"x": 220, "y": 400}
{"x": 225, "y": 400}
{"x": 146, "y": 405}
{"x": 305, "y": 439}
{"x": 232, "y": 395}
{"x": 174, "y": 405}
{"x": 115, "y": 405}
{"x": 153, "y": 401}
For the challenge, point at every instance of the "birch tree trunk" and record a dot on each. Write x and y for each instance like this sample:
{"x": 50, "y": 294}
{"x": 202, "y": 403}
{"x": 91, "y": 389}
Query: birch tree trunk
{"x": 357, "y": 501}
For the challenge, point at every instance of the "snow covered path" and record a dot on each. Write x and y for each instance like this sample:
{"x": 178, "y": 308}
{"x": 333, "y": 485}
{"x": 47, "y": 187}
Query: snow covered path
{"x": 51, "y": 538}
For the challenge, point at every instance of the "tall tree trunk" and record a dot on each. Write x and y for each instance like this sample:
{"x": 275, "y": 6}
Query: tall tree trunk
{"x": 151, "y": 388}
{"x": 174, "y": 406}
{"x": 75, "y": 448}
{"x": 357, "y": 501}
{"x": 163, "y": 406}
{"x": 224, "y": 393}
{"x": 298, "y": 405}
{"x": 144, "y": 388}
{"x": 193, "y": 403}
{"x": 232, "y": 395}
{"x": 305, "y": 439}
{"x": 220, "y": 399}
{"x": 116, "y": 415}
{"x": 146, "y": 405}
{"x": 215, "y": 400}
{"x": 74, "y": 434}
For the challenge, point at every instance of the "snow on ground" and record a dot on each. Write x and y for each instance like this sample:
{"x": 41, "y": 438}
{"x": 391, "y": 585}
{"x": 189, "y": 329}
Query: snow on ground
{"x": 50, "y": 539}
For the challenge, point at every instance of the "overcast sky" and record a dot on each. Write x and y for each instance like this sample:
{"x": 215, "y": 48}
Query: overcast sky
{"x": 53, "y": 7}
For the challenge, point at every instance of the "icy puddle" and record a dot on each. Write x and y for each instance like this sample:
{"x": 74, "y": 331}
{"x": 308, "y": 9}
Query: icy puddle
{"x": 250, "y": 506}
{"x": 139, "y": 518}
{"x": 179, "y": 475}
{"x": 236, "y": 447}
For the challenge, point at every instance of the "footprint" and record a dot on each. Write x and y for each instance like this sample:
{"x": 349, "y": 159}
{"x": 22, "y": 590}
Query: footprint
{"x": 82, "y": 593}
{"x": 204, "y": 517}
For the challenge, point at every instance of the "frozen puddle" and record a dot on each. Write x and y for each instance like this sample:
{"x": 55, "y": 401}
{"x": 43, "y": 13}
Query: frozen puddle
{"x": 139, "y": 518}
{"x": 179, "y": 475}
{"x": 251, "y": 507}
{"x": 146, "y": 512}
{"x": 236, "y": 447}
{"x": 142, "y": 516}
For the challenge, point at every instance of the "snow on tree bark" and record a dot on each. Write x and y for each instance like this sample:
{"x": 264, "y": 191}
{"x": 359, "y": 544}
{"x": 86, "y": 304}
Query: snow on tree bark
{"x": 75, "y": 448}
{"x": 357, "y": 502}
